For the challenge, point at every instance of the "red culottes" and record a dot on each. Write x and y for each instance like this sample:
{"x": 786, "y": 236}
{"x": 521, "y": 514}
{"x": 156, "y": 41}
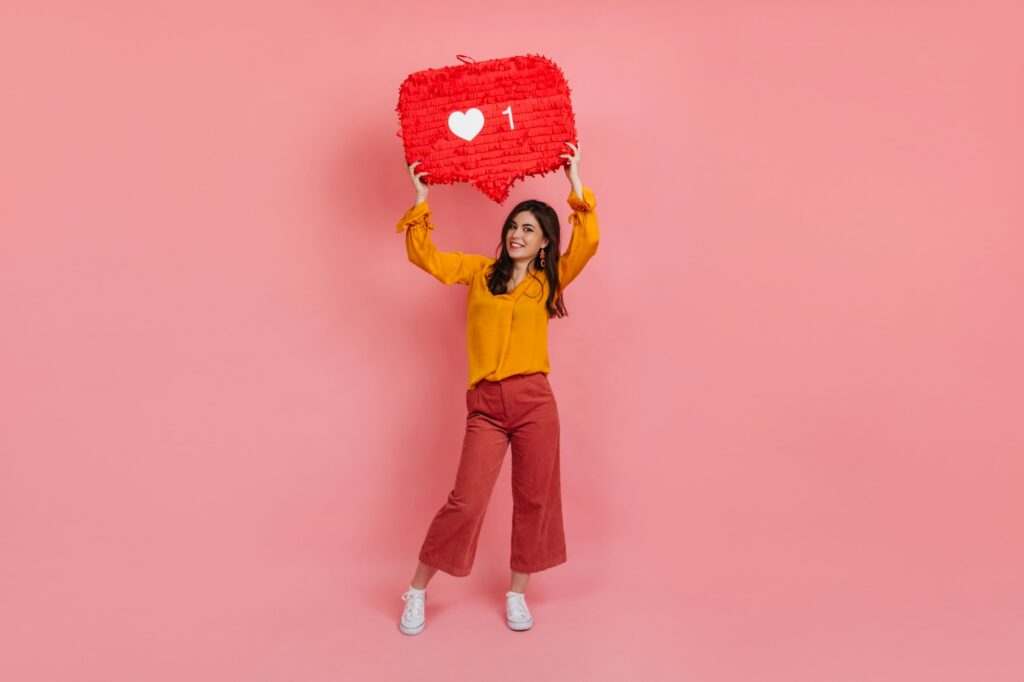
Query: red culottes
{"x": 521, "y": 409}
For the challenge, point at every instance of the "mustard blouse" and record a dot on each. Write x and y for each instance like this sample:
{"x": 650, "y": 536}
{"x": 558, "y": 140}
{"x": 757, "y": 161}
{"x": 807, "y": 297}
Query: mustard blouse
{"x": 505, "y": 334}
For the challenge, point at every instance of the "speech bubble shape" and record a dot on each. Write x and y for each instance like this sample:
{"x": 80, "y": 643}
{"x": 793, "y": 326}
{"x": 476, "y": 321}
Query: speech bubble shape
{"x": 488, "y": 123}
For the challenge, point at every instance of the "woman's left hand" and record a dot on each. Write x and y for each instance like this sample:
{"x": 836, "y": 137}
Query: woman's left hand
{"x": 572, "y": 169}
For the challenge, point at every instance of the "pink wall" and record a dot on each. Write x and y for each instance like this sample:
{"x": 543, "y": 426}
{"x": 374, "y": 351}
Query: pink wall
{"x": 790, "y": 382}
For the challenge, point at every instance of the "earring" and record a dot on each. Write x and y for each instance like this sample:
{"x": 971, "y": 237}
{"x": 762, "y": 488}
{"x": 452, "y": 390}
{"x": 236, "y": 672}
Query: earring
{"x": 543, "y": 263}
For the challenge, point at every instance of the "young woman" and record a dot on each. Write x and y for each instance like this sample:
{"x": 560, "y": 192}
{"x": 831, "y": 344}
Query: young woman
{"x": 509, "y": 398}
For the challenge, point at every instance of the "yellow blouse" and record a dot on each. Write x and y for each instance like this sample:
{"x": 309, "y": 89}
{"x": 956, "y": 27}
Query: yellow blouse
{"x": 506, "y": 334}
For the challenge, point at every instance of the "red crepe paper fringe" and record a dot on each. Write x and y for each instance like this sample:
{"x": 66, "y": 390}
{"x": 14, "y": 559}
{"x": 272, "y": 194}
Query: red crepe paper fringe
{"x": 498, "y": 156}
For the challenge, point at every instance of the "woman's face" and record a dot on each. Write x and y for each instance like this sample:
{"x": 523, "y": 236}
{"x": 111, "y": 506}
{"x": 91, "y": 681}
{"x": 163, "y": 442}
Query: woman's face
{"x": 524, "y": 239}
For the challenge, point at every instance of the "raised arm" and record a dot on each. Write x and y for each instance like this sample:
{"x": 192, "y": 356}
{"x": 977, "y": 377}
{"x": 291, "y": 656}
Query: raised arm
{"x": 447, "y": 266}
{"x": 583, "y": 243}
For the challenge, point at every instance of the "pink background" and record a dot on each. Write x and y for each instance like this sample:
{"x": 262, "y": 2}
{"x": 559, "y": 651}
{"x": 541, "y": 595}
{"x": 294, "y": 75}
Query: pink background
{"x": 790, "y": 381}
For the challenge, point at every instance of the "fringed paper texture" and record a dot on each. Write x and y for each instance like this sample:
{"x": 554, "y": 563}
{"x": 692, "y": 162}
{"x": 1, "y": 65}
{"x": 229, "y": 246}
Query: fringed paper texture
{"x": 488, "y": 123}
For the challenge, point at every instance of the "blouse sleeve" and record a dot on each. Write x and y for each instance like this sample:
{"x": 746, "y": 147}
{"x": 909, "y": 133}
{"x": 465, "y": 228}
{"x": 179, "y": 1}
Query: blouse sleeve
{"x": 583, "y": 243}
{"x": 447, "y": 266}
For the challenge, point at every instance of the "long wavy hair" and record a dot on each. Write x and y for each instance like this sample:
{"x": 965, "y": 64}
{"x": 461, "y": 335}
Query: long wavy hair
{"x": 501, "y": 271}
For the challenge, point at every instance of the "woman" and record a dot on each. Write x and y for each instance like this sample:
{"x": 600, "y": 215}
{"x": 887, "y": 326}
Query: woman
{"x": 509, "y": 398}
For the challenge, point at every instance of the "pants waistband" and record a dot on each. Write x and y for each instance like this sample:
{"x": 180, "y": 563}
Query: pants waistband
{"x": 511, "y": 379}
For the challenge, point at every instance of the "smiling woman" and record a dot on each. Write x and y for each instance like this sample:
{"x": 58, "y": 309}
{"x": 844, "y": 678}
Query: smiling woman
{"x": 508, "y": 399}
{"x": 531, "y": 233}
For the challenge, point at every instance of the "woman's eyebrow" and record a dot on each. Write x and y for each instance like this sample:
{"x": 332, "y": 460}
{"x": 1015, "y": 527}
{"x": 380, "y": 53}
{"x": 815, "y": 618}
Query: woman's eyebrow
{"x": 524, "y": 224}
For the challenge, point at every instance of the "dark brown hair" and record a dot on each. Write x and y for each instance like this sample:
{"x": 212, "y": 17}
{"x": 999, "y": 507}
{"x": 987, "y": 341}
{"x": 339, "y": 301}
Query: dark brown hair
{"x": 501, "y": 271}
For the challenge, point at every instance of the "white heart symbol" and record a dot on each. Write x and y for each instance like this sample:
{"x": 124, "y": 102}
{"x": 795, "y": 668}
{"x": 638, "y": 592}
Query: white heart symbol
{"x": 466, "y": 125}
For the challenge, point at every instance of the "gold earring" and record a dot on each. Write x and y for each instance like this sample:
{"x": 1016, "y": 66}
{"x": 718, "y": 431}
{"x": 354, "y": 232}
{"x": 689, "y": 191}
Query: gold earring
{"x": 543, "y": 263}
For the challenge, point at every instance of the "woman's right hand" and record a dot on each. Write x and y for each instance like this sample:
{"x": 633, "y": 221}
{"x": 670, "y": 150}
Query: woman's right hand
{"x": 419, "y": 185}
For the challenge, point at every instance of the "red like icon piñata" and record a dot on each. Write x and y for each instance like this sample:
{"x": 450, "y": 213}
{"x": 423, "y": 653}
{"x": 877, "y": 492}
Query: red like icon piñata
{"x": 488, "y": 123}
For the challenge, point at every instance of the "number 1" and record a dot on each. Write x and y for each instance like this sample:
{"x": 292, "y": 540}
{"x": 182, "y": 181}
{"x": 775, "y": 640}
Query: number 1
{"x": 508, "y": 111}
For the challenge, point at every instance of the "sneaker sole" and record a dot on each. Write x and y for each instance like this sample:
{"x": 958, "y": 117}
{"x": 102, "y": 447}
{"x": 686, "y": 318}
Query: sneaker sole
{"x": 414, "y": 630}
{"x": 520, "y": 626}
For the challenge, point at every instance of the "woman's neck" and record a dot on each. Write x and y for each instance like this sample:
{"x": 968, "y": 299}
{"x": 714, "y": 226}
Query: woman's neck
{"x": 520, "y": 270}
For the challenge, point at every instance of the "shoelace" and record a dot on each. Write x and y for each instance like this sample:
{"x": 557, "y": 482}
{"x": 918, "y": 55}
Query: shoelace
{"x": 413, "y": 608}
{"x": 518, "y": 607}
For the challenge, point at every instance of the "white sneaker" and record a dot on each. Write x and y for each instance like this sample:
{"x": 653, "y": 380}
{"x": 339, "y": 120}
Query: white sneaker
{"x": 414, "y": 618}
{"x": 517, "y": 614}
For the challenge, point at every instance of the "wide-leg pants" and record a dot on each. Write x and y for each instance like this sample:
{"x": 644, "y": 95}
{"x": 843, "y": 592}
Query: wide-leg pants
{"x": 520, "y": 409}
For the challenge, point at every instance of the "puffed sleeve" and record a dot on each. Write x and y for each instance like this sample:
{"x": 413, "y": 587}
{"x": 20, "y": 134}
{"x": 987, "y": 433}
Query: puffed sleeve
{"x": 583, "y": 243}
{"x": 447, "y": 266}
